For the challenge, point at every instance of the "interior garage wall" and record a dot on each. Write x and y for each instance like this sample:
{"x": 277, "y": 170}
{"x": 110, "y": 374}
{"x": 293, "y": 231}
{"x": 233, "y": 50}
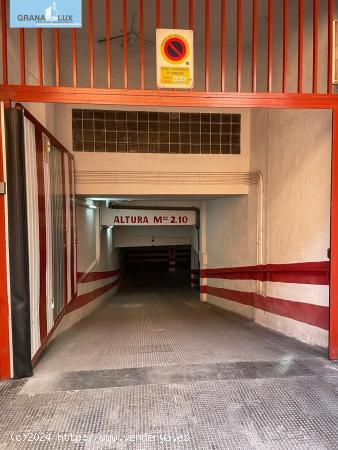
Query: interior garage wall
{"x": 230, "y": 239}
{"x": 98, "y": 265}
{"x": 100, "y": 173}
{"x": 298, "y": 185}
{"x": 97, "y": 257}
{"x": 298, "y": 189}
{"x": 287, "y": 288}
{"x": 153, "y": 236}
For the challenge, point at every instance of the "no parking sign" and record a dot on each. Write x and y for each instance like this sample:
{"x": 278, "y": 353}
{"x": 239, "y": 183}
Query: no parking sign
{"x": 175, "y": 58}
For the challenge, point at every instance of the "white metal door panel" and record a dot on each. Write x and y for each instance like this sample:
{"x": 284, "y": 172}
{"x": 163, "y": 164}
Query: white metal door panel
{"x": 49, "y": 241}
{"x": 33, "y": 233}
{"x": 57, "y": 202}
{"x": 68, "y": 226}
{"x": 74, "y": 275}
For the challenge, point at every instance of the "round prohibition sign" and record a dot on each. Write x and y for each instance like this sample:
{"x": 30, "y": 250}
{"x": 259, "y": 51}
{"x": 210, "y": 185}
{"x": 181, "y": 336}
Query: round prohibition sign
{"x": 175, "y": 49}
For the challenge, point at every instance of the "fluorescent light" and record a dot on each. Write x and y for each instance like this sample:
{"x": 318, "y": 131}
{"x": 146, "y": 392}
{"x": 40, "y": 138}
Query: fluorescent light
{"x": 92, "y": 206}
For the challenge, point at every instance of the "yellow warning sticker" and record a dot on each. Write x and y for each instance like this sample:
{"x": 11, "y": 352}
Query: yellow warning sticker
{"x": 175, "y": 75}
{"x": 174, "y": 58}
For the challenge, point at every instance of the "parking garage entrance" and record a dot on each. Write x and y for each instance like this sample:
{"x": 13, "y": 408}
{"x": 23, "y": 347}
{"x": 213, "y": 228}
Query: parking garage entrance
{"x": 158, "y": 247}
{"x": 251, "y": 238}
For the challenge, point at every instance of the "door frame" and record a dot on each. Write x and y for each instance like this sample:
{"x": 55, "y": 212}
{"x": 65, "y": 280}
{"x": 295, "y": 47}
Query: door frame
{"x": 173, "y": 99}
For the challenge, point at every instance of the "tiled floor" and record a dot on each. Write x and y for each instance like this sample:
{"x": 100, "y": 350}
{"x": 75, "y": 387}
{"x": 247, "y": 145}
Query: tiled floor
{"x": 160, "y": 370}
{"x": 161, "y": 328}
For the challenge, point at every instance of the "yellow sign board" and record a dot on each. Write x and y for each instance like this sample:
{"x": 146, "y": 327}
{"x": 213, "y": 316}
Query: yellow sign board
{"x": 175, "y": 75}
{"x": 175, "y": 58}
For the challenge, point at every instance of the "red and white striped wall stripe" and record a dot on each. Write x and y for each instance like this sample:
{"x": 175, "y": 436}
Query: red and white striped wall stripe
{"x": 311, "y": 273}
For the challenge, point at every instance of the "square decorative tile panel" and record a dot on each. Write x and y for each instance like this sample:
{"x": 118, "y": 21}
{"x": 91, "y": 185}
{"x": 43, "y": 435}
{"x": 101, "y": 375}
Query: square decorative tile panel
{"x": 156, "y": 132}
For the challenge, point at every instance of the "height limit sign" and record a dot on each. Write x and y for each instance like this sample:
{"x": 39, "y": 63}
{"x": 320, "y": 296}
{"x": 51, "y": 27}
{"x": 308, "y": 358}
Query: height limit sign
{"x": 175, "y": 58}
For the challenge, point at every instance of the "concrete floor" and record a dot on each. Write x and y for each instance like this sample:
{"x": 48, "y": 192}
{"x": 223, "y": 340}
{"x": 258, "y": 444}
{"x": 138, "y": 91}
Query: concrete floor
{"x": 160, "y": 370}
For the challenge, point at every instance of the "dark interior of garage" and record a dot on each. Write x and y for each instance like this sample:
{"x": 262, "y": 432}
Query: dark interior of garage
{"x": 163, "y": 266}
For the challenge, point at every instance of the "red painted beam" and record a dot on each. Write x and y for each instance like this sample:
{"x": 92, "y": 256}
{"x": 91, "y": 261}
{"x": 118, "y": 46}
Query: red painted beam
{"x": 91, "y": 42}
{"x": 315, "y": 48}
{"x": 74, "y": 57}
{"x": 57, "y": 56}
{"x": 207, "y": 44}
{"x": 22, "y": 57}
{"x": 254, "y": 46}
{"x": 270, "y": 46}
{"x": 333, "y": 336}
{"x": 191, "y": 14}
{"x": 4, "y": 42}
{"x": 50, "y": 94}
{"x": 4, "y": 301}
{"x": 239, "y": 45}
{"x": 108, "y": 46}
{"x": 285, "y": 45}
{"x": 158, "y": 13}
{"x": 300, "y": 44}
{"x": 223, "y": 45}
{"x": 40, "y": 55}
{"x": 125, "y": 44}
{"x": 142, "y": 43}
{"x": 174, "y": 14}
{"x": 330, "y": 47}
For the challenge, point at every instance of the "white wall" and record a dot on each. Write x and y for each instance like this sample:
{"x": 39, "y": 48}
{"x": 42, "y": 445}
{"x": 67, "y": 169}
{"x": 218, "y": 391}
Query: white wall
{"x": 299, "y": 183}
{"x": 96, "y": 249}
{"x": 98, "y": 173}
{"x": 141, "y": 236}
{"x": 294, "y": 157}
{"x": 298, "y": 186}
{"x": 227, "y": 228}
{"x": 231, "y": 242}
{"x": 87, "y": 232}
{"x": 292, "y": 150}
